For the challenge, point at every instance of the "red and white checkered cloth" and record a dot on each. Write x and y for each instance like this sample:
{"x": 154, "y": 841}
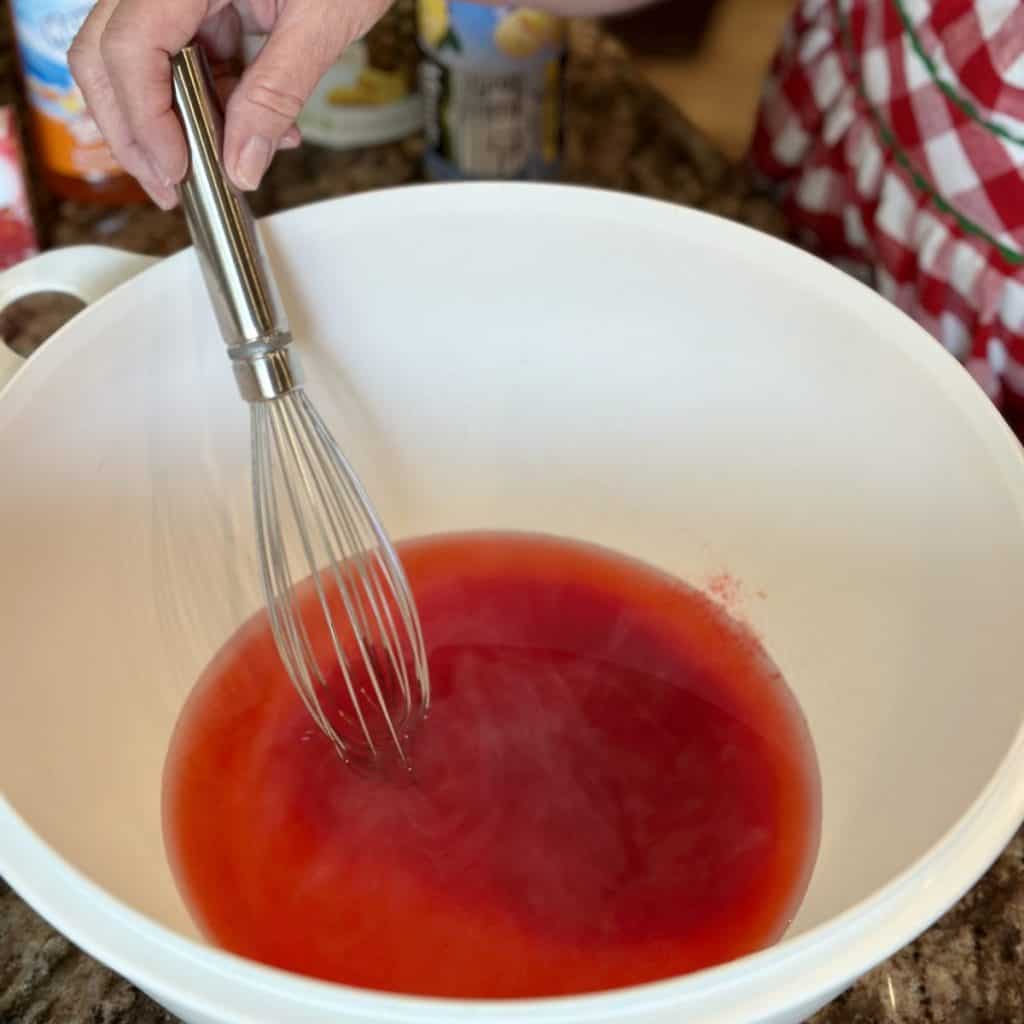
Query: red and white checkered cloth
{"x": 894, "y": 130}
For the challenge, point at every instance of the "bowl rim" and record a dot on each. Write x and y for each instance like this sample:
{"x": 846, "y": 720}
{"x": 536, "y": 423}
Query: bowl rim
{"x": 814, "y": 965}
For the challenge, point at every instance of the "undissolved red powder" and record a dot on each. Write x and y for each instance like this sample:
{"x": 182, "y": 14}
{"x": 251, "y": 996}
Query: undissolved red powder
{"x": 614, "y": 785}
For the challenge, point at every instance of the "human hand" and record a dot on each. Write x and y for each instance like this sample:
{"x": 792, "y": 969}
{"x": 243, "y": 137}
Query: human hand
{"x": 121, "y": 60}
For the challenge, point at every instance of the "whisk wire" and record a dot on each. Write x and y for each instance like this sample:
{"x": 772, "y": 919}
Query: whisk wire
{"x": 391, "y": 568}
{"x": 351, "y": 590}
{"x": 289, "y": 632}
{"x": 283, "y": 427}
{"x": 308, "y": 498}
{"x": 369, "y": 577}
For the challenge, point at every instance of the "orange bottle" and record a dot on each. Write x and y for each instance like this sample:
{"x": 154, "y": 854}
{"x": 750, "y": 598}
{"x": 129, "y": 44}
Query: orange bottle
{"x": 76, "y": 162}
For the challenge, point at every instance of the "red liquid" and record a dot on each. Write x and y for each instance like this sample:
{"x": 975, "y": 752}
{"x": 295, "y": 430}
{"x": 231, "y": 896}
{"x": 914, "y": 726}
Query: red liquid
{"x": 614, "y": 786}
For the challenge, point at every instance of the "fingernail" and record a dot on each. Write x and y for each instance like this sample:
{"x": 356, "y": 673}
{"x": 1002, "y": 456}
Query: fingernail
{"x": 145, "y": 169}
{"x": 253, "y": 163}
{"x": 291, "y": 139}
{"x": 158, "y": 173}
{"x": 165, "y": 200}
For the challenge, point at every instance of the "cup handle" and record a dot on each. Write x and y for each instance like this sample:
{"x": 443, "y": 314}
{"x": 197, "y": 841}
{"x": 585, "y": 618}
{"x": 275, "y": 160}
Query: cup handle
{"x": 86, "y": 271}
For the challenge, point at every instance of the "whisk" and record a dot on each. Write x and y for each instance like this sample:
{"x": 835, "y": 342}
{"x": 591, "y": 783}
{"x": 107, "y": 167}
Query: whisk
{"x": 357, "y": 660}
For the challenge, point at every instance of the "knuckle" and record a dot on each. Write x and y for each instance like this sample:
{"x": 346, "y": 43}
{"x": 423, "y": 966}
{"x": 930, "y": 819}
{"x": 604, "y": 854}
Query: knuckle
{"x": 117, "y": 45}
{"x": 85, "y": 65}
{"x": 78, "y": 58}
{"x": 108, "y": 51}
{"x": 269, "y": 97}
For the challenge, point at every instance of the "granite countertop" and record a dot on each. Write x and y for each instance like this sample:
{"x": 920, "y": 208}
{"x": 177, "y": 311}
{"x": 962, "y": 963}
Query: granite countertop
{"x": 968, "y": 969}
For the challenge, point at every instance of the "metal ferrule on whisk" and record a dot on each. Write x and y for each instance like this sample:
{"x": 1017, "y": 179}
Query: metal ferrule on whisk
{"x": 229, "y": 247}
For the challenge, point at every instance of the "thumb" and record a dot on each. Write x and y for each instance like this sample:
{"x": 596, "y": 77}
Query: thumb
{"x": 305, "y": 41}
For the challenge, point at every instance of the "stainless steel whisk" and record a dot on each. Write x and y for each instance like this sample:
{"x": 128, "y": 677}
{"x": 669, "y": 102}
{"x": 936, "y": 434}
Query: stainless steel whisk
{"x": 361, "y": 666}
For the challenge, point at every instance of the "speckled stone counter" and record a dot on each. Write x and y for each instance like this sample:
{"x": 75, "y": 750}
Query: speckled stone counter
{"x": 968, "y": 969}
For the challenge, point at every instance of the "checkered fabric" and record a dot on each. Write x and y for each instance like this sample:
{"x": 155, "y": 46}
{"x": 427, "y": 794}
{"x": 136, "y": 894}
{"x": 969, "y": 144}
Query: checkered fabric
{"x": 894, "y": 131}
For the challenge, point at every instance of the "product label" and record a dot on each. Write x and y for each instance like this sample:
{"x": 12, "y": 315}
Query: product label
{"x": 492, "y": 88}
{"x": 17, "y": 232}
{"x": 69, "y": 140}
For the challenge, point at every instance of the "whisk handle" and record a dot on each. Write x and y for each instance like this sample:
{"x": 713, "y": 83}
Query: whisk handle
{"x": 231, "y": 254}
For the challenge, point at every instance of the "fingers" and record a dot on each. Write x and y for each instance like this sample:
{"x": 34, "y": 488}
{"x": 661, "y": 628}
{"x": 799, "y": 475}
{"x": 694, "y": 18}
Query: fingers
{"x": 221, "y": 34}
{"x": 90, "y": 73}
{"x": 225, "y": 84}
{"x": 121, "y": 61}
{"x": 306, "y": 39}
{"x": 135, "y": 46}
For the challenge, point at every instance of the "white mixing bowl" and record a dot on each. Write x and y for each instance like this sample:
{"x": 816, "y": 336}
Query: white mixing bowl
{"x": 634, "y": 374}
